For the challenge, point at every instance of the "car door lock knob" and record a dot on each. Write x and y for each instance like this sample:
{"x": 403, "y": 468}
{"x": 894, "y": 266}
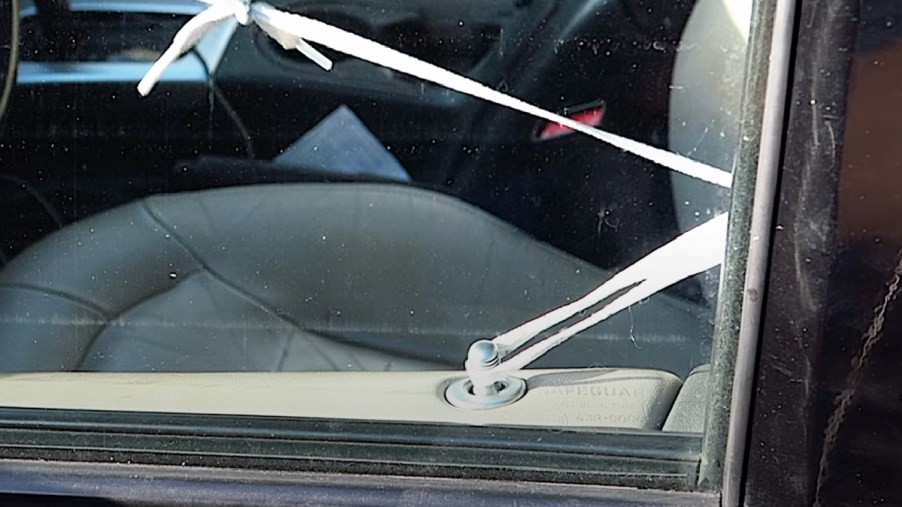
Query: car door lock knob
{"x": 484, "y": 355}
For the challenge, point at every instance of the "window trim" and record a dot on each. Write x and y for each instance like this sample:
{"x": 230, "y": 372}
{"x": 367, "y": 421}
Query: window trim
{"x": 26, "y": 483}
{"x": 786, "y": 425}
{"x": 639, "y": 459}
{"x": 770, "y": 145}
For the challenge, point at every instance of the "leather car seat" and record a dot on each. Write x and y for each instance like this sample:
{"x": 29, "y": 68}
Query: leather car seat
{"x": 305, "y": 277}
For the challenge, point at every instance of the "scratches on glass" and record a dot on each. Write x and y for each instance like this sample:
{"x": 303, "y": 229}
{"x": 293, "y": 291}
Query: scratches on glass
{"x": 691, "y": 253}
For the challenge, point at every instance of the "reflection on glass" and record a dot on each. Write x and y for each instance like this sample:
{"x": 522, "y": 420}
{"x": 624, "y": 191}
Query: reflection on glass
{"x": 348, "y": 189}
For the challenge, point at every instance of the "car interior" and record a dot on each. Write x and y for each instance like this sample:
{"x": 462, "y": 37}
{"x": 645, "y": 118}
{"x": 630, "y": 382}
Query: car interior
{"x": 258, "y": 214}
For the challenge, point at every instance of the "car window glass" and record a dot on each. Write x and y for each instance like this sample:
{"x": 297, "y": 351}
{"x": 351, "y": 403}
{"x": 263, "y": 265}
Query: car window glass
{"x": 480, "y": 212}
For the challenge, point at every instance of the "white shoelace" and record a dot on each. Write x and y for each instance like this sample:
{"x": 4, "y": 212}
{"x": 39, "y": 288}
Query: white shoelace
{"x": 691, "y": 253}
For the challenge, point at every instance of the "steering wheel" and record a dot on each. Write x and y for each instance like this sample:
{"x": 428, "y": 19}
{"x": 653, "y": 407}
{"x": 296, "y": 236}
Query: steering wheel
{"x": 9, "y": 49}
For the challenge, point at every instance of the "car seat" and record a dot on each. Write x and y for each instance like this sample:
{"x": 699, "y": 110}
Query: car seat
{"x": 307, "y": 277}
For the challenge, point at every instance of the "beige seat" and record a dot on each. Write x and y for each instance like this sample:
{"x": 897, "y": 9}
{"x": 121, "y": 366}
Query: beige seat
{"x": 306, "y": 277}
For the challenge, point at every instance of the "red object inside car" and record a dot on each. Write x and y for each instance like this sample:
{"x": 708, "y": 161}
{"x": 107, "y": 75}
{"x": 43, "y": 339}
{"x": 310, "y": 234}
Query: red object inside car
{"x": 591, "y": 117}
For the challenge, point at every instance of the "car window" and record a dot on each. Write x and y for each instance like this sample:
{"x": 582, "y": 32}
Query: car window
{"x": 498, "y": 215}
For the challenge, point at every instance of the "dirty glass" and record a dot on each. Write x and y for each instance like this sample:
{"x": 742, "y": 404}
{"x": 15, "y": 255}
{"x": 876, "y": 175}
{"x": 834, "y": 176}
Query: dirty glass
{"x": 339, "y": 198}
